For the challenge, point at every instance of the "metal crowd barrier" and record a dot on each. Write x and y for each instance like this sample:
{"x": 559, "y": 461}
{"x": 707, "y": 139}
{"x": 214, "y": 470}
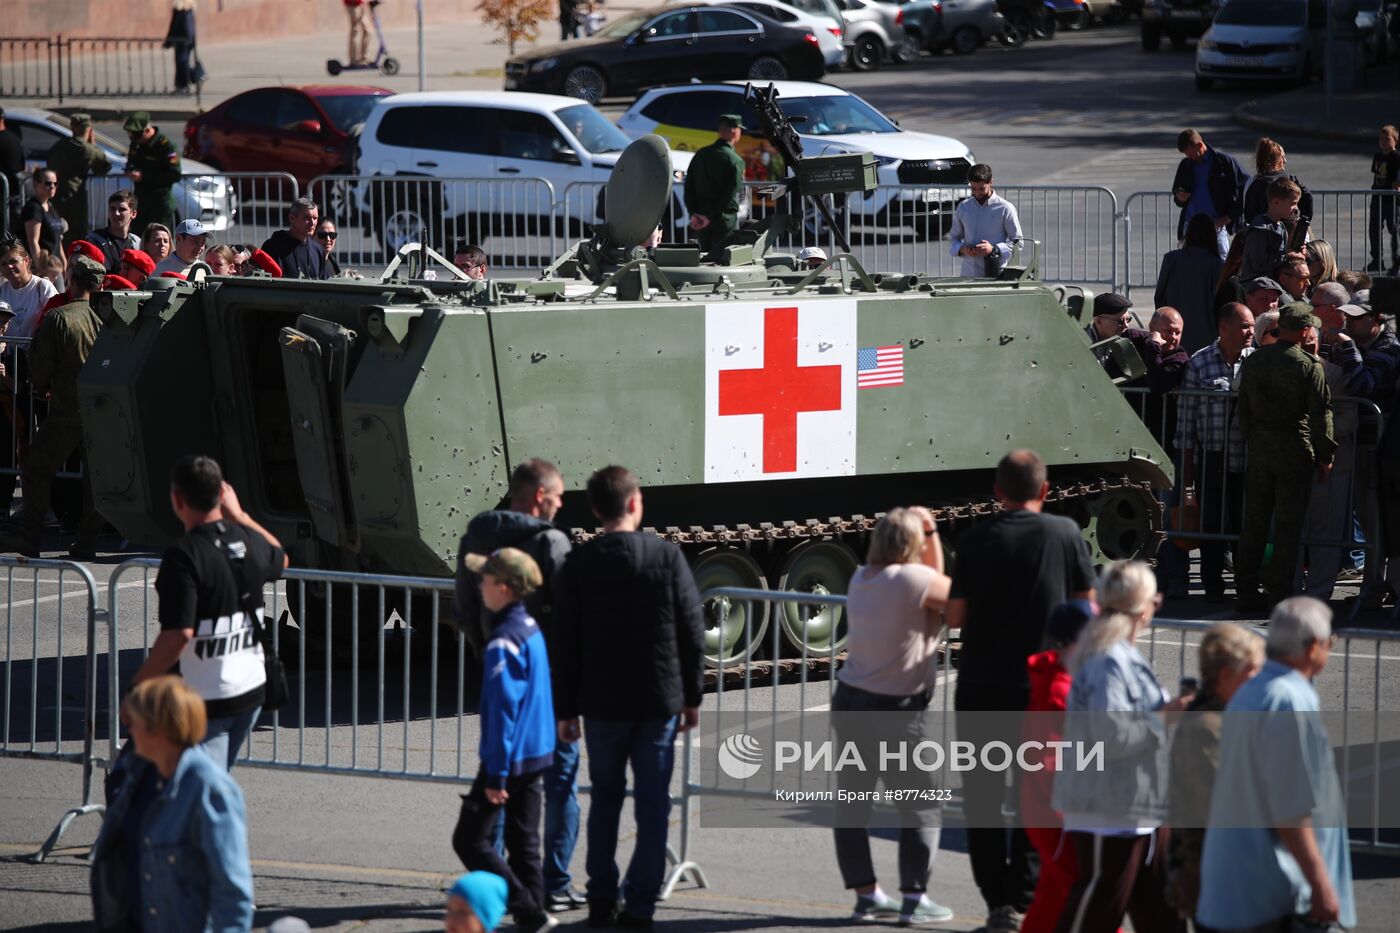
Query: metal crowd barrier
{"x": 1220, "y": 491}
{"x": 1341, "y": 217}
{"x": 58, "y": 724}
{"x": 518, "y": 221}
{"x": 54, "y": 66}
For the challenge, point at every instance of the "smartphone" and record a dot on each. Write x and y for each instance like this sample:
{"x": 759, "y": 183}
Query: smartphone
{"x": 1189, "y": 685}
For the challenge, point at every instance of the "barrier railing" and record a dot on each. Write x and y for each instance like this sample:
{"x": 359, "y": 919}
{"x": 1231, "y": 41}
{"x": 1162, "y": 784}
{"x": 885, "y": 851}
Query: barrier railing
{"x": 1341, "y": 217}
{"x": 55, "y": 66}
{"x": 6, "y": 208}
{"x": 56, "y": 653}
{"x": 518, "y": 221}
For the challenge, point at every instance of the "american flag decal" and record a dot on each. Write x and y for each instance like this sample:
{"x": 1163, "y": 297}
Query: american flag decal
{"x": 879, "y": 366}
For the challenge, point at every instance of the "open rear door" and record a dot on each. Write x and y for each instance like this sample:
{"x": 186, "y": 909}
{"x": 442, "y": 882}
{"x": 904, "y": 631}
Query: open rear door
{"x": 315, "y": 357}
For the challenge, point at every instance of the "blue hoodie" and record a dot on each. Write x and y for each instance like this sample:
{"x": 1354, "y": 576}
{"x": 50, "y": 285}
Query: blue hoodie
{"x": 517, "y": 704}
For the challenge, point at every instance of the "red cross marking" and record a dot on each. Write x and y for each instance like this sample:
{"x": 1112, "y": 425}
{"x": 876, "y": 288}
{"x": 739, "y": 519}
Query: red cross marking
{"x": 779, "y": 390}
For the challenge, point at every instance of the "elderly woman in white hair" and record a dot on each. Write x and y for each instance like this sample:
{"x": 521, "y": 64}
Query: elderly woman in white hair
{"x": 1276, "y": 841}
{"x": 1114, "y": 815}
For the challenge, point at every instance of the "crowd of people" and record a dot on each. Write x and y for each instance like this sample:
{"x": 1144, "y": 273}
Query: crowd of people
{"x": 1258, "y": 312}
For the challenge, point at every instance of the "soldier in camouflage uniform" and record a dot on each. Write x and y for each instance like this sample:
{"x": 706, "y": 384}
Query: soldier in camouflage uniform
{"x": 153, "y": 163}
{"x": 74, "y": 158}
{"x": 1287, "y": 425}
{"x": 713, "y": 185}
{"x": 61, "y": 346}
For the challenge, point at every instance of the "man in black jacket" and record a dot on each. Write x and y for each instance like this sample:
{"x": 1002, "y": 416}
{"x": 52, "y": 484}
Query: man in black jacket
{"x": 527, "y": 523}
{"x": 1210, "y": 182}
{"x": 295, "y": 249}
{"x": 627, "y": 657}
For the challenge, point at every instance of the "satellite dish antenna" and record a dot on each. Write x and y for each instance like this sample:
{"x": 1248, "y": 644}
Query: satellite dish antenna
{"x": 638, "y": 191}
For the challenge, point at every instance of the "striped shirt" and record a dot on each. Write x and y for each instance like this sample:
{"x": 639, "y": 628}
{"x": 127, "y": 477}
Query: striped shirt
{"x": 1208, "y": 424}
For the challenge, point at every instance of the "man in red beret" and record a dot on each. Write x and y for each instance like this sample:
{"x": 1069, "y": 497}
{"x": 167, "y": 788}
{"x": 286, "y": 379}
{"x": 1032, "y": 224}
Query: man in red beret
{"x": 84, "y": 248}
{"x": 115, "y": 283}
{"x": 266, "y": 263}
{"x": 136, "y": 266}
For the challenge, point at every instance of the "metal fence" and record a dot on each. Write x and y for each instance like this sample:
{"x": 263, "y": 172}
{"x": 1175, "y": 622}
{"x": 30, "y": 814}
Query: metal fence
{"x": 58, "y": 67}
{"x": 1150, "y": 222}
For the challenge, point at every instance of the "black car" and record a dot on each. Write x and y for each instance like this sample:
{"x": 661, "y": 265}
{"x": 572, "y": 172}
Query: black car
{"x": 667, "y": 45}
{"x": 1176, "y": 20}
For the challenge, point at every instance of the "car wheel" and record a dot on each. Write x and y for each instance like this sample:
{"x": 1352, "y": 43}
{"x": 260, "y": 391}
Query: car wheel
{"x": 1151, "y": 39}
{"x": 768, "y": 68}
{"x": 1203, "y": 83}
{"x": 907, "y": 51}
{"x": 867, "y": 54}
{"x": 966, "y": 39}
{"x": 407, "y": 211}
{"x": 586, "y": 83}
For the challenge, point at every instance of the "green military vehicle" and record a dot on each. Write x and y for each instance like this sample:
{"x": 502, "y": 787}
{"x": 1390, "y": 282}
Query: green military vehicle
{"x": 772, "y": 412}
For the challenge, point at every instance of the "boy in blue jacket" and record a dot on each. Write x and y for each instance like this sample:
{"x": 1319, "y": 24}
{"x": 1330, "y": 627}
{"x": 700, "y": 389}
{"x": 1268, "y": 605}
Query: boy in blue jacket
{"x": 517, "y": 738}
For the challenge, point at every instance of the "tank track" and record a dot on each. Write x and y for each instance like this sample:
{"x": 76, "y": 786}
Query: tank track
{"x": 948, "y": 515}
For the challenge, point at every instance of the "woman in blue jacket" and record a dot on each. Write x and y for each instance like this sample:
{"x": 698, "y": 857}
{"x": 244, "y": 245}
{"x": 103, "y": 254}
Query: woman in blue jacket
{"x": 173, "y": 850}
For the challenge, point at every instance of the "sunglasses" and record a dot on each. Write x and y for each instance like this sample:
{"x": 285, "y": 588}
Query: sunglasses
{"x": 47, "y": 184}
{"x": 325, "y": 235}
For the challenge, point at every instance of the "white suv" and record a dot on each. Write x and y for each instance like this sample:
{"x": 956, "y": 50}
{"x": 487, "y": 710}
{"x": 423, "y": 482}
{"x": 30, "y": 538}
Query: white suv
{"x": 504, "y": 164}
{"x": 921, "y": 176}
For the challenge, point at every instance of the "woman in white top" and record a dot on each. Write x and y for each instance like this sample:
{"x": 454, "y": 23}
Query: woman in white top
{"x": 894, "y": 616}
{"x": 1114, "y": 814}
{"x": 25, "y": 292}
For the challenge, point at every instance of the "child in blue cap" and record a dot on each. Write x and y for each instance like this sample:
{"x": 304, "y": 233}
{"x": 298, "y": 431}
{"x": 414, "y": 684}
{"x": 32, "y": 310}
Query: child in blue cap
{"x": 475, "y": 903}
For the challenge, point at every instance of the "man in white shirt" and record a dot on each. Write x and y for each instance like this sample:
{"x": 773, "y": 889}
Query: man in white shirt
{"x": 984, "y": 226}
{"x": 190, "y": 238}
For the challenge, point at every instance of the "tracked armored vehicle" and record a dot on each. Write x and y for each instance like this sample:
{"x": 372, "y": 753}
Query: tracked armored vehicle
{"x": 772, "y": 412}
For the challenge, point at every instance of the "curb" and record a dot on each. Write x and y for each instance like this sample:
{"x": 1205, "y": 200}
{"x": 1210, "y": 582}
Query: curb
{"x": 1245, "y": 117}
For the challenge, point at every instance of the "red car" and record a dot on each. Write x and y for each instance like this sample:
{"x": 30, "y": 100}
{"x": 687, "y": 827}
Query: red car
{"x": 305, "y": 131}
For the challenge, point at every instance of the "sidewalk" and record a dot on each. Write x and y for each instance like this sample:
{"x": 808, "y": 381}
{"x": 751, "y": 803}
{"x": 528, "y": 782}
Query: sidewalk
{"x": 1355, "y": 116}
{"x": 459, "y": 56}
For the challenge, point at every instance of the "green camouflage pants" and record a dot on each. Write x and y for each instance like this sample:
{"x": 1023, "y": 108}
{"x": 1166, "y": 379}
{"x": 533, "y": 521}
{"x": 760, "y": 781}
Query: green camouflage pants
{"x": 1276, "y": 490}
{"x": 54, "y": 442}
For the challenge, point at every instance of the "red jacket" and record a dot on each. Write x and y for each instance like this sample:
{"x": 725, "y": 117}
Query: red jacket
{"x": 1049, "y": 695}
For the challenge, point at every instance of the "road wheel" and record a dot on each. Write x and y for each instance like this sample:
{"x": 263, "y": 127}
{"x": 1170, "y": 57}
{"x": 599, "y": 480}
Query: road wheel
{"x": 868, "y": 53}
{"x": 768, "y": 68}
{"x": 820, "y": 568}
{"x": 734, "y": 628}
{"x": 586, "y": 83}
{"x": 1203, "y": 83}
{"x": 1151, "y": 39}
{"x": 965, "y": 40}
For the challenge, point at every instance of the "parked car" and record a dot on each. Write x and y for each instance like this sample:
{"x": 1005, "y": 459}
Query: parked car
{"x": 1080, "y": 14}
{"x": 828, "y": 31}
{"x": 1027, "y": 19}
{"x": 960, "y": 25}
{"x": 487, "y": 136}
{"x": 304, "y": 131}
{"x": 921, "y": 176}
{"x": 1261, "y": 40}
{"x": 874, "y": 34}
{"x": 1176, "y": 21}
{"x": 203, "y": 193}
{"x": 666, "y": 44}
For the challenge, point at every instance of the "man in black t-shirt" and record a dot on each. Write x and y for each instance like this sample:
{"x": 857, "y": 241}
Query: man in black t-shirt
{"x": 1012, "y": 570}
{"x": 203, "y": 627}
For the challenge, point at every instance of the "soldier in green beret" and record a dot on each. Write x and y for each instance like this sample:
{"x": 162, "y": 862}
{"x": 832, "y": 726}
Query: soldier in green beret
{"x": 153, "y": 165}
{"x": 713, "y": 186}
{"x": 74, "y": 158}
{"x": 1287, "y": 425}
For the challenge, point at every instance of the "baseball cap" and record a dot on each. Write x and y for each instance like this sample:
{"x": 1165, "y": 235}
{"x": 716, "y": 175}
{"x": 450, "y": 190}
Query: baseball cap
{"x": 509, "y": 565}
{"x": 1263, "y": 282}
{"x": 191, "y": 227}
{"x": 137, "y": 122}
{"x": 485, "y": 894}
{"x": 1110, "y": 304}
{"x": 812, "y": 252}
{"x": 1355, "y": 311}
{"x": 1296, "y": 315}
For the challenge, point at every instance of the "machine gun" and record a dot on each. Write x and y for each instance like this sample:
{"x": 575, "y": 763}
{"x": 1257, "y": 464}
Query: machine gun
{"x": 813, "y": 176}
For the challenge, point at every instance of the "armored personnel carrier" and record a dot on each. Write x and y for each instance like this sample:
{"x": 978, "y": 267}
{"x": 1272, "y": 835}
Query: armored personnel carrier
{"x": 772, "y": 412}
